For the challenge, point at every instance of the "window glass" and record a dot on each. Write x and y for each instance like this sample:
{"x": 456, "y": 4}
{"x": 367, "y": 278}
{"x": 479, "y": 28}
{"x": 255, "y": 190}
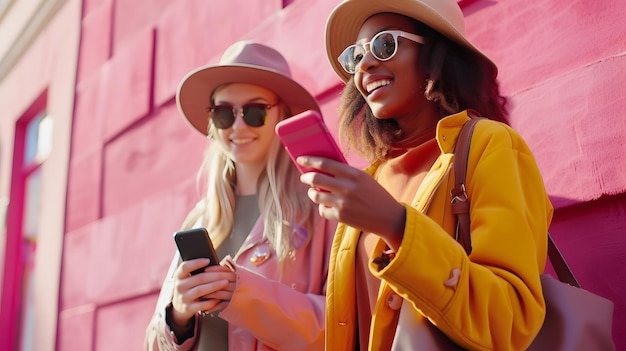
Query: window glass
{"x": 37, "y": 142}
{"x": 32, "y": 197}
{"x": 38, "y": 139}
{"x": 32, "y": 139}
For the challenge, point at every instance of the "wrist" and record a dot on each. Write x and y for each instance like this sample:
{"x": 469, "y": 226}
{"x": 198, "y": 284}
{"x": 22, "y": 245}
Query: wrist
{"x": 177, "y": 320}
{"x": 394, "y": 237}
{"x": 182, "y": 331}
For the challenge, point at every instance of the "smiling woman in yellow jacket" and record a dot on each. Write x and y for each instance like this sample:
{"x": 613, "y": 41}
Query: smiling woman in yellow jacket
{"x": 492, "y": 301}
{"x": 411, "y": 76}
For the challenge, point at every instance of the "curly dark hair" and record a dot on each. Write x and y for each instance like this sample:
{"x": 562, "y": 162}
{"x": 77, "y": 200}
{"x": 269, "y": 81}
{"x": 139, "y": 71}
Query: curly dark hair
{"x": 457, "y": 80}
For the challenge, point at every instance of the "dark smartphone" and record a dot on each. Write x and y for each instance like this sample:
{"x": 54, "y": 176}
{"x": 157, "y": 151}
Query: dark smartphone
{"x": 307, "y": 134}
{"x": 196, "y": 243}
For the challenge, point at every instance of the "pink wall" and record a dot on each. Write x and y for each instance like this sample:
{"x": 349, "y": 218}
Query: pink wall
{"x": 41, "y": 78}
{"x": 133, "y": 158}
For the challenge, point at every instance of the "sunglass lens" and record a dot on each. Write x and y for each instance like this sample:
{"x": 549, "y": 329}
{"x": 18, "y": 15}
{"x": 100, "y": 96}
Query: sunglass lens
{"x": 222, "y": 116}
{"x": 384, "y": 46}
{"x": 351, "y": 57}
{"x": 254, "y": 116}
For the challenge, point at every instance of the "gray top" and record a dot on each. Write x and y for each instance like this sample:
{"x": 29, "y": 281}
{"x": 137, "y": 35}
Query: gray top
{"x": 246, "y": 214}
{"x": 214, "y": 333}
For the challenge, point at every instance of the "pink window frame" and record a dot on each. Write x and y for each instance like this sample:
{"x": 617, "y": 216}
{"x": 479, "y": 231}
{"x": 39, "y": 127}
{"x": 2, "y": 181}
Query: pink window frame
{"x": 10, "y": 303}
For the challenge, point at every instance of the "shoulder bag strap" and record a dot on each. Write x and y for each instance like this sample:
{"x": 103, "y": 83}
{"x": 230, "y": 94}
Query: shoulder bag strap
{"x": 460, "y": 201}
{"x": 460, "y": 207}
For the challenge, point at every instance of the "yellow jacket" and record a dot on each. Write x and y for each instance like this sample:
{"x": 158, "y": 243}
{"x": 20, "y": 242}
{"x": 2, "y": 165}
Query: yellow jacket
{"x": 497, "y": 302}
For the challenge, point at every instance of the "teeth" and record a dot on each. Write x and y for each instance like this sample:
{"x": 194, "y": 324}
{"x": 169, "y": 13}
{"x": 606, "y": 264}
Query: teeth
{"x": 377, "y": 84}
{"x": 241, "y": 141}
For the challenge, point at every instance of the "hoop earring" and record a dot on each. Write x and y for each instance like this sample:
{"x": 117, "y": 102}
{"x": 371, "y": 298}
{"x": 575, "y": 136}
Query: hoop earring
{"x": 428, "y": 90}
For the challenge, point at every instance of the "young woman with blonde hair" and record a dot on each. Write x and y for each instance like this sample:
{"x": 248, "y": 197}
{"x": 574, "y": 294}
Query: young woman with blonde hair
{"x": 268, "y": 292}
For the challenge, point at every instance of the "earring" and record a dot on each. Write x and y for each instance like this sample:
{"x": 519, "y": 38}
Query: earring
{"x": 428, "y": 90}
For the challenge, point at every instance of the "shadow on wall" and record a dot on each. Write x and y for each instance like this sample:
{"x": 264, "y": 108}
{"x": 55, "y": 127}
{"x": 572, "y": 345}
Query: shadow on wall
{"x": 4, "y": 204}
{"x": 478, "y": 7}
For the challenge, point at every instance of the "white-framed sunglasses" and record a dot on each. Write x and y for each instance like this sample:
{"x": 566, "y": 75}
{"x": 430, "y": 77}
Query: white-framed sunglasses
{"x": 383, "y": 46}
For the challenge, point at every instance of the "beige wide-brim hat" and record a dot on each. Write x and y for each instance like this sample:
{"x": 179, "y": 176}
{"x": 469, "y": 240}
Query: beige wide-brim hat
{"x": 345, "y": 22}
{"x": 243, "y": 62}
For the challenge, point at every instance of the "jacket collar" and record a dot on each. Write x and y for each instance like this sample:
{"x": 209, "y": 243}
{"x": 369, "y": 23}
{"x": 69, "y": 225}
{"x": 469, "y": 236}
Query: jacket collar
{"x": 448, "y": 130}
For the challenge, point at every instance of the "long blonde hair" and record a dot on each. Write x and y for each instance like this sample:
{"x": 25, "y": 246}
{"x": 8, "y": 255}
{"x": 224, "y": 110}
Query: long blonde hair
{"x": 282, "y": 197}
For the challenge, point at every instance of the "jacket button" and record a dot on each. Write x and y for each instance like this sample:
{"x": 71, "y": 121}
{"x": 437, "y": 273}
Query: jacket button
{"x": 394, "y": 301}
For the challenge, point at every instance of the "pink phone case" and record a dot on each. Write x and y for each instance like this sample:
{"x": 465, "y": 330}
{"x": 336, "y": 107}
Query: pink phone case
{"x": 307, "y": 134}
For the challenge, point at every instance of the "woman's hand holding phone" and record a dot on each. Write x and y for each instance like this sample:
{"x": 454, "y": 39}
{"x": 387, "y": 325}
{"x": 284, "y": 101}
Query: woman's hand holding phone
{"x": 200, "y": 283}
{"x": 208, "y": 291}
{"x": 355, "y": 198}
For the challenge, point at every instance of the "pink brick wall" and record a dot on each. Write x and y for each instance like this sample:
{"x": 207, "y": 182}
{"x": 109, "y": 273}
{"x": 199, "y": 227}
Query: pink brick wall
{"x": 134, "y": 159}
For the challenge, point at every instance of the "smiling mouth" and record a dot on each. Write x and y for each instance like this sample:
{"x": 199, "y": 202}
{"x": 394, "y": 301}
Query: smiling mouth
{"x": 241, "y": 141}
{"x": 377, "y": 84}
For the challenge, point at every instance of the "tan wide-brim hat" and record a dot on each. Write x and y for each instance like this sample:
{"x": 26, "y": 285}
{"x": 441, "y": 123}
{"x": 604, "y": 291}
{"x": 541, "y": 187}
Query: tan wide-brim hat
{"x": 243, "y": 62}
{"x": 346, "y": 19}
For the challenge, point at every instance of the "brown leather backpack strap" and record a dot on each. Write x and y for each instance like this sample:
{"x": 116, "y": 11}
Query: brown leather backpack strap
{"x": 460, "y": 201}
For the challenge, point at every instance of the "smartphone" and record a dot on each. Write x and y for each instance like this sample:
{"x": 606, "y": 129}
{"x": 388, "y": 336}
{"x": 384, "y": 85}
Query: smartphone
{"x": 196, "y": 243}
{"x": 307, "y": 134}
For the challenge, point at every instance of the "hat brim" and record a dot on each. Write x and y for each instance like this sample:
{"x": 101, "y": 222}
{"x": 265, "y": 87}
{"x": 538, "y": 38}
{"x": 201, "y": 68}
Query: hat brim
{"x": 345, "y": 21}
{"x": 194, "y": 92}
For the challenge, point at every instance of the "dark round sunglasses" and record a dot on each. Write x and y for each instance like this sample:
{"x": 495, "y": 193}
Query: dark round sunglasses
{"x": 254, "y": 114}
